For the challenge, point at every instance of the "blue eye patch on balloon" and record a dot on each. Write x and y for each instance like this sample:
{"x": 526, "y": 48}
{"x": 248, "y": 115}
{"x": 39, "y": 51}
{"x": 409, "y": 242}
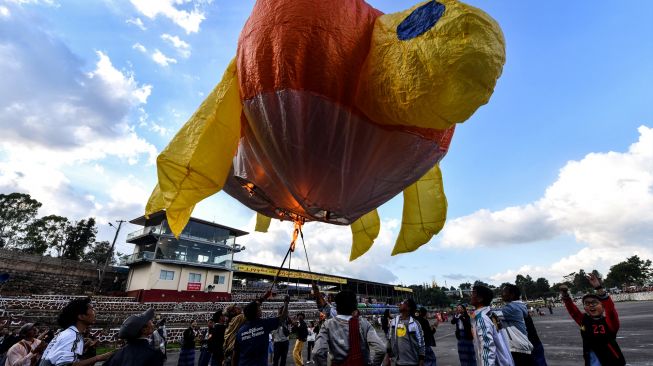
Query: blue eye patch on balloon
{"x": 420, "y": 21}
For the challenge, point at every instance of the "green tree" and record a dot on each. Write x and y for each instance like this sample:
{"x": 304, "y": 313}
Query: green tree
{"x": 48, "y": 232}
{"x": 542, "y": 287}
{"x": 123, "y": 257}
{"x": 481, "y": 283}
{"x": 526, "y": 285}
{"x": 465, "y": 286}
{"x": 17, "y": 212}
{"x": 556, "y": 286}
{"x": 581, "y": 283}
{"x": 98, "y": 253}
{"x": 79, "y": 236}
{"x": 578, "y": 280}
{"x": 430, "y": 296}
{"x": 632, "y": 271}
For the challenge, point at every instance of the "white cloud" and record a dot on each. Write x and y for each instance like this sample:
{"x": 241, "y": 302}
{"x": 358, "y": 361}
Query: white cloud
{"x": 162, "y": 131}
{"x": 588, "y": 259}
{"x": 328, "y": 248}
{"x": 119, "y": 85}
{"x": 4, "y": 12}
{"x": 188, "y": 20}
{"x": 61, "y": 125}
{"x": 182, "y": 47}
{"x": 137, "y": 22}
{"x": 162, "y": 59}
{"x": 605, "y": 201}
{"x": 139, "y": 47}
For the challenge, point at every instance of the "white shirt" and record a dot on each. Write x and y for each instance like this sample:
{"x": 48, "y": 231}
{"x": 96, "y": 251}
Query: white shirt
{"x": 18, "y": 355}
{"x": 490, "y": 344}
{"x": 65, "y": 348}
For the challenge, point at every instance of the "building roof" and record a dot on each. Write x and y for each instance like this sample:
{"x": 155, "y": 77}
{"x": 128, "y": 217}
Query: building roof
{"x": 157, "y": 217}
{"x": 262, "y": 270}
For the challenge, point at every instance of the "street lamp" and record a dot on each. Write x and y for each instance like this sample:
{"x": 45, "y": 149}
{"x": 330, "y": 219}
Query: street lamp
{"x": 110, "y": 254}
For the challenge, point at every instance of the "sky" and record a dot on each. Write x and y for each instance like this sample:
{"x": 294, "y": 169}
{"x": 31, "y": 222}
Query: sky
{"x": 553, "y": 175}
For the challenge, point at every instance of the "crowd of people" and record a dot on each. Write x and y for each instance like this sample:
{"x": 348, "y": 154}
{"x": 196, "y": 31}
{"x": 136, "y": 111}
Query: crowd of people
{"x": 238, "y": 336}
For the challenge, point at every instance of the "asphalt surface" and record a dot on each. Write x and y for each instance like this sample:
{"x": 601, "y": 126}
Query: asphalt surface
{"x": 560, "y": 336}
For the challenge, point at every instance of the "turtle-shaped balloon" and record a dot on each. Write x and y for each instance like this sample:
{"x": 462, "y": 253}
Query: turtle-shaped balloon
{"x": 331, "y": 108}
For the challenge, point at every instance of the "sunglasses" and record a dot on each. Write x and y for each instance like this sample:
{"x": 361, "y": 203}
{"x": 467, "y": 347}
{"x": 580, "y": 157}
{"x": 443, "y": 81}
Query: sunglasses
{"x": 591, "y": 303}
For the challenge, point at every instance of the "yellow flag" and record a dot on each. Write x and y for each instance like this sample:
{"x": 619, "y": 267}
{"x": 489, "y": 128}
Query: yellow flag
{"x": 262, "y": 223}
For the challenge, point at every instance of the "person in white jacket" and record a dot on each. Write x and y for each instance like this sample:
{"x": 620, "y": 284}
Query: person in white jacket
{"x": 490, "y": 344}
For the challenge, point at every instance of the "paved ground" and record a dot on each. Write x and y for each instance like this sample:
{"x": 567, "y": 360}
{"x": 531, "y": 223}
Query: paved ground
{"x": 561, "y": 338}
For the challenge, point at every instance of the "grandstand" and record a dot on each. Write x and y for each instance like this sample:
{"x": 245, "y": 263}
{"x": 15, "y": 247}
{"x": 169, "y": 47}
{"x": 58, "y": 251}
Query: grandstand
{"x": 187, "y": 279}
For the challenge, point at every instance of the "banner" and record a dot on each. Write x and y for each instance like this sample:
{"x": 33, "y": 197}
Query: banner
{"x": 285, "y": 274}
{"x": 194, "y": 286}
{"x": 404, "y": 289}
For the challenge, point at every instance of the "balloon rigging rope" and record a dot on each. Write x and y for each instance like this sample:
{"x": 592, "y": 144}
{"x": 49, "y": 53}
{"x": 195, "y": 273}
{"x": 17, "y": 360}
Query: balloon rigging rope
{"x": 301, "y": 235}
{"x": 291, "y": 249}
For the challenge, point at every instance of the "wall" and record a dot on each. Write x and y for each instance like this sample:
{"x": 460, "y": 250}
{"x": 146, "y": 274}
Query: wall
{"x": 145, "y": 283}
{"x": 35, "y": 274}
{"x": 139, "y": 277}
{"x": 635, "y": 296}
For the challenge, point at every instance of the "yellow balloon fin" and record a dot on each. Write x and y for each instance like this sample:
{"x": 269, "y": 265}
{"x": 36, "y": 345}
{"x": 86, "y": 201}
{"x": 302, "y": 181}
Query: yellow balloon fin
{"x": 425, "y": 211}
{"x": 262, "y": 223}
{"x": 364, "y": 231}
{"x": 197, "y": 161}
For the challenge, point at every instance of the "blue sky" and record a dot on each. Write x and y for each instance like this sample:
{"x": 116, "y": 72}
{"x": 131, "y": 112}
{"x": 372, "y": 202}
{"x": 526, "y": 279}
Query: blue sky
{"x": 554, "y": 174}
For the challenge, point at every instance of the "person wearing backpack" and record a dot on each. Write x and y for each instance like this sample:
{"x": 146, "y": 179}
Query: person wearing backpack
{"x": 351, "y": 340}
{"x": 514, "y": 314}
{"x": 490, "y": 344}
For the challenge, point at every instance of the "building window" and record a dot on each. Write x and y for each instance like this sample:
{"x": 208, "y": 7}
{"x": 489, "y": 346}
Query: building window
{"x": 202, "y": 258}
{"x": 218, "y": 280}
{"x": 167, "y": 275}
{"x": 194, "y": 277}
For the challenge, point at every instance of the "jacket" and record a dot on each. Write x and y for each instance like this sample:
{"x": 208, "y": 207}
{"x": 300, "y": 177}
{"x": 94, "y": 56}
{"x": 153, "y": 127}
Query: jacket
{"x": 599, "y": 334}
{"x": 301, "y": 329}
{"x": 513, "y": 320}
{"x": 490, "y": 344}
{"x": 406, "y": 346}
{"x": 334, "y": 338}
{"x": 514, "y": 314}
{"x": 137, "y": 352}
{"x": 467, "y": 326}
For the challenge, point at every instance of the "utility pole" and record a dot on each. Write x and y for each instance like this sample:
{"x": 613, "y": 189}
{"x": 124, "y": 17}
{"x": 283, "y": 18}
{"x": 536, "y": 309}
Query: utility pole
{"x": 110, "y": 255}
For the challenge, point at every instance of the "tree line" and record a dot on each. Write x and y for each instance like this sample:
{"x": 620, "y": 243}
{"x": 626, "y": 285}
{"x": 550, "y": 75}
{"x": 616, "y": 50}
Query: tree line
{"x": 21, "y": 229}
{"x": 634, "y": 271}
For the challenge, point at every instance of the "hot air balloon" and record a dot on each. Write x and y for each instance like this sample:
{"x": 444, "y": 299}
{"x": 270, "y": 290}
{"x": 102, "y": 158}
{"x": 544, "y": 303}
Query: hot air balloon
{"x": 330, "y": 109}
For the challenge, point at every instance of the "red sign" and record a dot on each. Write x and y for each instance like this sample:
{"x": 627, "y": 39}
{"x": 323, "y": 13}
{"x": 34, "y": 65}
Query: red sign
{"x": 194, "y": 286}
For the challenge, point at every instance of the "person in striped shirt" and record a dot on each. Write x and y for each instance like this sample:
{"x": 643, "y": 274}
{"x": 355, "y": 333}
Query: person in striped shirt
{"x": 490, "y": 344}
